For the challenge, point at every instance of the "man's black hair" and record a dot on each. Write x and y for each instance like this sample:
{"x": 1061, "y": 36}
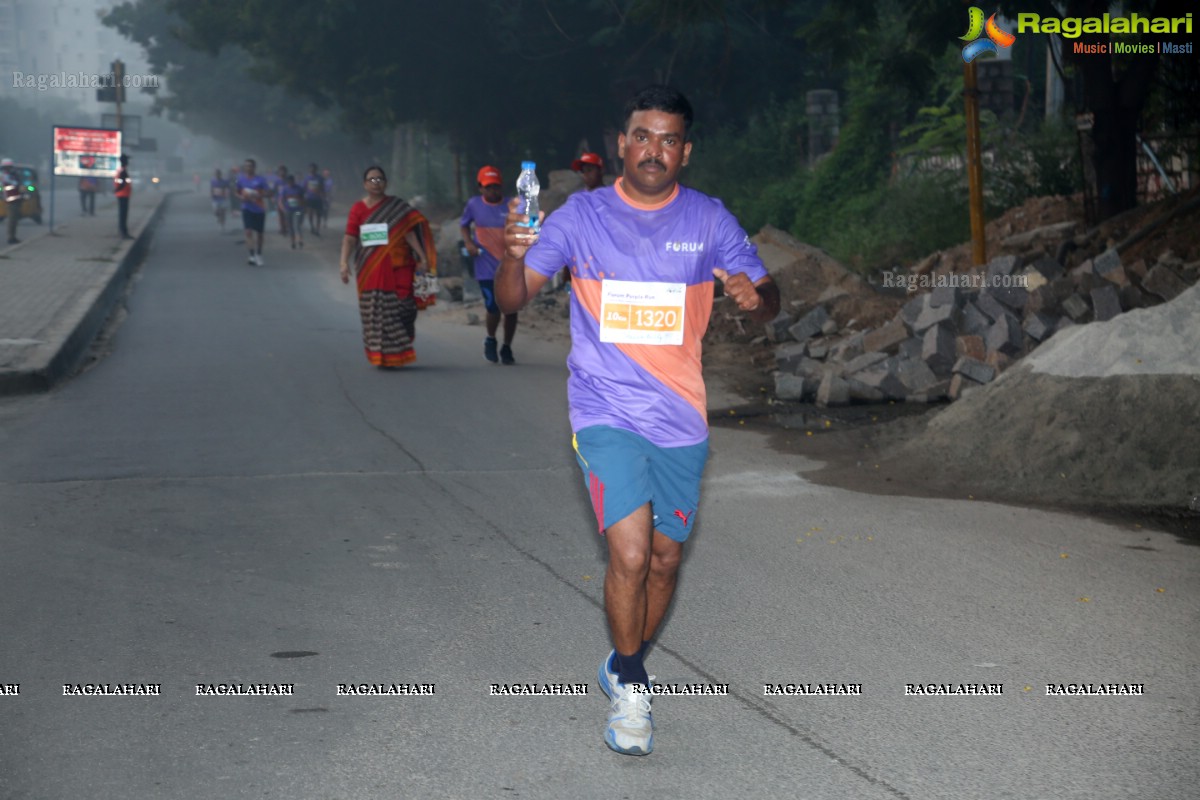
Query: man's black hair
{"x": 660, "y": 98}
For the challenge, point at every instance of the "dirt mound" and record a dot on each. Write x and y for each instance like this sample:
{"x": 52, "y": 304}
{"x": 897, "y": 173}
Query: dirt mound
{"x": 1105, "y": 416}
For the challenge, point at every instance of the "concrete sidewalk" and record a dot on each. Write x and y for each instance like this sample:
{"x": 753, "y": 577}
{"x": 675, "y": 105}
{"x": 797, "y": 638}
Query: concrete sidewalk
{"x": 57, "y": 289}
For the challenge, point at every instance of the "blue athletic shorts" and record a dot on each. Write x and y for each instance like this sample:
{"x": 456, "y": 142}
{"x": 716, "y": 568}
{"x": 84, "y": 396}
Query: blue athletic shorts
{"x": 253, "y": 220}
{"x": 488, "y": 288}
{"x": 624, "y": 471}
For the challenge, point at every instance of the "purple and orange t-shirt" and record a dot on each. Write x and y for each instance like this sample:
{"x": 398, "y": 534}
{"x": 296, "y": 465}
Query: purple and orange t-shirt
{"x": 654, "y": 390}
{"x": 255, "y": 190}
{"x": 489, "y": 233}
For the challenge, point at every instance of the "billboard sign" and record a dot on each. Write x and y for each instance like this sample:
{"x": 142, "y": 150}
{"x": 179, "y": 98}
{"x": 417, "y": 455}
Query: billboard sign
{"x": 86, "y": 151}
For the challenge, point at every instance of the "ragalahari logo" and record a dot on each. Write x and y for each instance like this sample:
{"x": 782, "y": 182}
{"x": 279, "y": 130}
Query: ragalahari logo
{"x": 996, "y": 37}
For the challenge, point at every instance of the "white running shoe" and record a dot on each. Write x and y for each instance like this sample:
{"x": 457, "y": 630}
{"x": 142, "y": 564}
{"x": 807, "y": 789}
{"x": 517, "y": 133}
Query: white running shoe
{"x": 258, "y": 259}
{"x": 630, "y": 726}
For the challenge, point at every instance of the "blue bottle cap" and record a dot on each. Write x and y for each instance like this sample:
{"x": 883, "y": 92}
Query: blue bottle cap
{"x": 528, "y": 165}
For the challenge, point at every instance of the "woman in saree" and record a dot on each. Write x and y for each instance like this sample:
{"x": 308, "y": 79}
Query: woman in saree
{"x": 393, "y": 256}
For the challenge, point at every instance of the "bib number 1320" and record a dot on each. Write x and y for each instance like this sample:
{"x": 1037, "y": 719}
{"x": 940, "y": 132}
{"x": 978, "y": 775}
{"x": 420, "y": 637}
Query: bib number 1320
{"x": 634, "y": 312}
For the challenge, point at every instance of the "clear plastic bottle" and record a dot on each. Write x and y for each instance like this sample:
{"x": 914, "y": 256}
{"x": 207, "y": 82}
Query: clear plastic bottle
{"x": 528, "y": 188}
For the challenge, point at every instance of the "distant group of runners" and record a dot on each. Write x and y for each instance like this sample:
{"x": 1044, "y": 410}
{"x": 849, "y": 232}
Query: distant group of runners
{"x": 293, "y": 199}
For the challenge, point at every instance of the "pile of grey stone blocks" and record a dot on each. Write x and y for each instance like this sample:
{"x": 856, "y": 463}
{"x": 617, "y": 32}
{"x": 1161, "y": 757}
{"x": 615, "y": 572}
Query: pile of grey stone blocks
{"x": 962, "y": 330}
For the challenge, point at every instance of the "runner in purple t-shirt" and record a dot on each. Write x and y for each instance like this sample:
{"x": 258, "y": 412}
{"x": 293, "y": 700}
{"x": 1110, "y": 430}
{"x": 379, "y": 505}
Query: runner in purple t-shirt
{"x": 487, "y": 212}
{"x": 643, "y": 255}
{"x": 253, "y": 190}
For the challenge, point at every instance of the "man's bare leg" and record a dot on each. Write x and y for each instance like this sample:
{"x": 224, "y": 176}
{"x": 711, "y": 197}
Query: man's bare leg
{"x": 640, "y": 581}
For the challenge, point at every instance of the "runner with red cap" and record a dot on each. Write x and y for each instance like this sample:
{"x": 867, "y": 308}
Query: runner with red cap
{"x": 487, "y": 211}
{"x": 591, "y": 167}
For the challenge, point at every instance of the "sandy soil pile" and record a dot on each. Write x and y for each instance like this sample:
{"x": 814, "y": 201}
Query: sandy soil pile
{"x": 1106, "y": 414}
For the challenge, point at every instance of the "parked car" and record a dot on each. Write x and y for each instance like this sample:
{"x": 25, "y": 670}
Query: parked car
{"x": 31, "y": 205}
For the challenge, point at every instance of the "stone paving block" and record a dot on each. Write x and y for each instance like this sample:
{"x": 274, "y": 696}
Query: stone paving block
{"x": 818, "y": 348}
{"x": 1137, "y": 269}
{"x": 942, "y": 315}
{"x": 833, "y": 391}
{"x": 937, "y": 350}
{"x": 862, "y": 362}
{"x": 793, "y": 387}
{"x": 1106, "y": 303}
{"x": 1062, "y": 287}
{"x": 913, "y": 308}
{"x": 849, "y": 348}
{"x": 1107, "y": 262}
{"x": 997, "y": 361}
{"x": 971, "y": 347}
{"x": 933, "y": 394}
{"x": 1004, "y": 335}
{"x": 992, "y": 308}
{"x": 1076, "y": 307}
{"x": 959, "y": 384}
{"x": 777, "y": 329}
{"x": 1132, "y": 297}
{"x": 863, "y": 393}
{"x": 974, "y": 321}
{"x": 946, "y": 296}
{"x": 974, "y": 369}
{"x": 1162, "y": 281}
{"x": 886, "y": 338}
{"x": 1039, "y": 326}
{"x": 911, "y": 347}
{"x": 809, "y": 325}
{"x": 788, "y": 356}
{"x": 1041, "y": 300}
{"x": 1049, "y": 268}
{"x": 1013, "y": 297}
{"x": 1002, "y": 265}
{"x": 809, "y": 368}
{"x": 883, "y": 376}
{"x": 915, "y": 375}
{"x": 829, "y": 327}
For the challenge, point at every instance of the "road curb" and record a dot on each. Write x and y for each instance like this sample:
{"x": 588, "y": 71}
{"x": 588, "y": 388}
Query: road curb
{"x": 44, "y": 373}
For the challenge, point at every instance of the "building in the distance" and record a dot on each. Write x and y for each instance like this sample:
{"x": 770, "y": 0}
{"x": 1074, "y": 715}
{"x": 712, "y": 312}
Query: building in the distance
{"x": 60, "y": 38}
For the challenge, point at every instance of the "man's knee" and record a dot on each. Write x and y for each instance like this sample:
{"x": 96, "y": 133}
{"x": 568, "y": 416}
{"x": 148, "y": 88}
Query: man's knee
{"x": 629, "y": 559}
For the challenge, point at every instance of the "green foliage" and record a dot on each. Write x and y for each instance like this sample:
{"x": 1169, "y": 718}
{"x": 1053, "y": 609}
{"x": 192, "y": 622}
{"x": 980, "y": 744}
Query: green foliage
{"x": 755, "y": 167}
{"x": 1043, "y": 162}
{"x": 899, "y": 223}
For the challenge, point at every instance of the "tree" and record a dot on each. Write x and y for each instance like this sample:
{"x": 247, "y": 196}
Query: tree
{"x": 1115, "y": 89}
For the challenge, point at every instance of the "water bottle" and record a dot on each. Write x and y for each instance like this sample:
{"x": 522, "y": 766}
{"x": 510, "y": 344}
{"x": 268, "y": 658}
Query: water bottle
{"x": 528, "y": 188}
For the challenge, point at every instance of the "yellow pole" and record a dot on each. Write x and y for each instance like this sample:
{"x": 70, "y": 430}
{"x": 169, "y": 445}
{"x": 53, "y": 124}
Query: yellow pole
{"x": 974, "y": 164}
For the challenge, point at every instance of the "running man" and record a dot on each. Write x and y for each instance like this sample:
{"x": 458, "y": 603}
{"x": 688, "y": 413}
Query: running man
{"x": 643, "y": 255}
{"x": 291, "y": 204}
{"x": 314, "y": 198}
{"x": 591, "y": 167}
{"x": 253, "y": 190}
{"x": 487, "y": 211}
{"x": 219, "y": 193}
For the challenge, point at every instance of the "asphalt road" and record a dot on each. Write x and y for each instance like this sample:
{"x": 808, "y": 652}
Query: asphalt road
{"x": 233, "y": 496}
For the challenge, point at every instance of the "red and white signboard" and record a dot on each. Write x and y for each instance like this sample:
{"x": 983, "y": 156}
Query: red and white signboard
{"x": 87, "y": 151}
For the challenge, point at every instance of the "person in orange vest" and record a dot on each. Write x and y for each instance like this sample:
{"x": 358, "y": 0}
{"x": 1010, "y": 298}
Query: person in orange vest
{"x": 123, "y": 190}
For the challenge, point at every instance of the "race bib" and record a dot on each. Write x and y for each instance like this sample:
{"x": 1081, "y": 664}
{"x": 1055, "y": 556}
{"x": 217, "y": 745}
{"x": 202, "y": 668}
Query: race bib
{"x": 635, "y": 312}
{"x": 373, "y": 234}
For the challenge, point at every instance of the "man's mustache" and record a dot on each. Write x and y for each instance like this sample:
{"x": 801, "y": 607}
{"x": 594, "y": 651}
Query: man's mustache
{"x": 653, "y": 161}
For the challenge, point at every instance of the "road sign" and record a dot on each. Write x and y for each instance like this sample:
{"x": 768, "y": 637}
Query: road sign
{"x": 86, "y": 151}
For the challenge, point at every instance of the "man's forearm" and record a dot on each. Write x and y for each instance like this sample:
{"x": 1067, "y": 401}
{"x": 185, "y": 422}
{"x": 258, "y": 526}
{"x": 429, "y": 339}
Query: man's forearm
{"x": 511, "y": 291}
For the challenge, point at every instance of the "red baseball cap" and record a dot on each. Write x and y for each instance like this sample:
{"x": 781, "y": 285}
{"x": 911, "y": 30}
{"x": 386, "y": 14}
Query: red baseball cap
{"x": 487, "y": 176}
{"x": 587, "y": 158}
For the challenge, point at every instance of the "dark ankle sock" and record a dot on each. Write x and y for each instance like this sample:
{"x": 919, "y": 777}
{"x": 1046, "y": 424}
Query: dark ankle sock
{"x": 630, "y": 669}
{"x": 645, "y": 647}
